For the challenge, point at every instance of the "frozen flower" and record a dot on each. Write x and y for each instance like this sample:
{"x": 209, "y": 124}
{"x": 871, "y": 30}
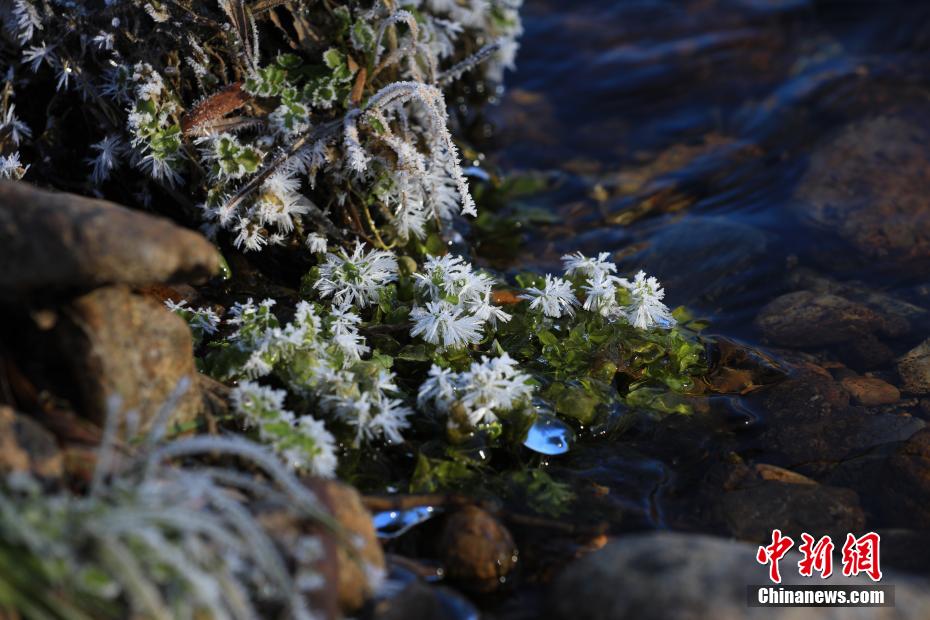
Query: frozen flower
{"x": 390, "y": 419}
{"x": 11, "y": 167}
{"x": 279, "y": 203}
{"x": 579, "y": 264}
{"x": 646, "y": 308}
{"x": 443, "y": 324}
{"x": 203, "y": 321}
{"x": 17, "y": 129}
{"x": 249, "y": 235}
{"x": 107, "y": 158}
{"x": 104, "y": 40}
{"x": 36, "y": 55}
{"x": 316, "y": 243}
{"x": 322, "y": 459}
{"x": 302, "y": 442}
{"x": 555, "y": 299}
{"x": 25, "y": 20}
{"x": 601, "y": 294}
{"x": 356, "y": 278}
{"x": 440, "y": 388}
{"x": 489, "y": 387}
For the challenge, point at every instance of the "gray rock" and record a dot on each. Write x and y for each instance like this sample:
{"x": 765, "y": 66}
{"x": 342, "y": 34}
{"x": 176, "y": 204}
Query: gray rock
{"x": 674, "y": 576}
{"x": 806, "y": 319}
{"x": 58, "y": 242}
{"x": 116, "y": 343}
{"x": 914, "y": 368}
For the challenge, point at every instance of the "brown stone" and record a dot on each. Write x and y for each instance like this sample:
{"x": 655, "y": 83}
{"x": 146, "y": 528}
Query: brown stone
{"x": 914, "y": 368}
{"x": 870, "y": 391}
{"x": 118, "y": 344}
{"x": 27, "y": 447}
{"x": 871, "y": 185}
{"x": 806, "y": 319}
{"x": 354, "y": 567}
{"x": 477, "y": 549}
{"x": 53, "y": 242}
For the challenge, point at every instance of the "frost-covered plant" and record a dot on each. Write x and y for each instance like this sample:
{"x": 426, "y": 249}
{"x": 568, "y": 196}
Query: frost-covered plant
{"x": 261, "y": 122}
{"x": 156, "y": 539}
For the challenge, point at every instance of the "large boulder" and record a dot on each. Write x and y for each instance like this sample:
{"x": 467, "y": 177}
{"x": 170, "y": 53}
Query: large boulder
{"x": 57, "y": 242}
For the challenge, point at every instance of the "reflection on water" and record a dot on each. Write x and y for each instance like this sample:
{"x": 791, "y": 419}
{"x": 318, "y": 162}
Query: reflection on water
{"x": 769, "y": 161}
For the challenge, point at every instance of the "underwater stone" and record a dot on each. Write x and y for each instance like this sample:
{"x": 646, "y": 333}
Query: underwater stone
{"x": 53, "y": 242}
{"x": 805, "y": 319}
{"x": 914, "y": 368}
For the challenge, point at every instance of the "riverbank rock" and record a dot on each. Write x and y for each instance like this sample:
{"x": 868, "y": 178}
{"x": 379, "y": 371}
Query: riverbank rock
{"x": 805, "y": 319}
{"x": 54, "y": 242}
{"x": 914, "y": 368}
{"x": 871, "y": 185}
{"x": 118, "y": 344}
{"x": 26, "y": 447}
{"x": 674, "y": 576}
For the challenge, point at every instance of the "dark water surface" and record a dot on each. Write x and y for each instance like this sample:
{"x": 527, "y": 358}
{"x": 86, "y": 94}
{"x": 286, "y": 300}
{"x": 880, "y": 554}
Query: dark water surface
{"x": 741, "y": 151}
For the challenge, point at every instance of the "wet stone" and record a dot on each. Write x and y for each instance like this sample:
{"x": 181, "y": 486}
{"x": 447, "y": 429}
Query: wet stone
{"x": 870, "y": 391}
{"x": 477, "y": 550}
{"x": 424, "y": 602}
{"x": 58, "y": 242}
{"x": 668, "y": 575}
{"x": 752, "y": 513}
{"x": 871, "y": 185}
{"x": 806, "y": 319}
{"x": 914, "y": 368}
{"x": 905, "y": 483}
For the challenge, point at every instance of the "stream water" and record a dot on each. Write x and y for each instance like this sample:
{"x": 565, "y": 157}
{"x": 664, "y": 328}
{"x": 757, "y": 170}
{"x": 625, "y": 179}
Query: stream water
{"x": 741, "y": 151}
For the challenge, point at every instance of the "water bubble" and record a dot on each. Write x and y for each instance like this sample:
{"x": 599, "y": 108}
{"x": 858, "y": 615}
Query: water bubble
{"x": 549, "y": 435}
{"x": 395, "y": 523}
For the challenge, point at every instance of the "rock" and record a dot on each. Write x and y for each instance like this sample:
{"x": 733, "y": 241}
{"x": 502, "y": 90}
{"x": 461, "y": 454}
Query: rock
{"x": 675, "y": 576}
{"x": 871, "y": 184}
{"x": 811, "y": 426}
{"x": 905, "y": 487}
{"x": 58, "y": 242}
{"x": 805, "y": 319}
{"x": 424, "y": 602}
{"x": 914, "y": 368}
{"x": 476, "y": 549}
{"x": 118, "y": 344}
{"x": 780, "y": 474}
{"x": 26, "y": 447}
{"x": 865, "y": 352}
{"x": 752, "y": 513}
{"x": 870, "y": 391}
{"x": 353, "y": 570}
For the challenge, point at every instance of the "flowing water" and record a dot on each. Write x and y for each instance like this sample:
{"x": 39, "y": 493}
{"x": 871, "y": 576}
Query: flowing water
{"x": 739, "y": 151}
